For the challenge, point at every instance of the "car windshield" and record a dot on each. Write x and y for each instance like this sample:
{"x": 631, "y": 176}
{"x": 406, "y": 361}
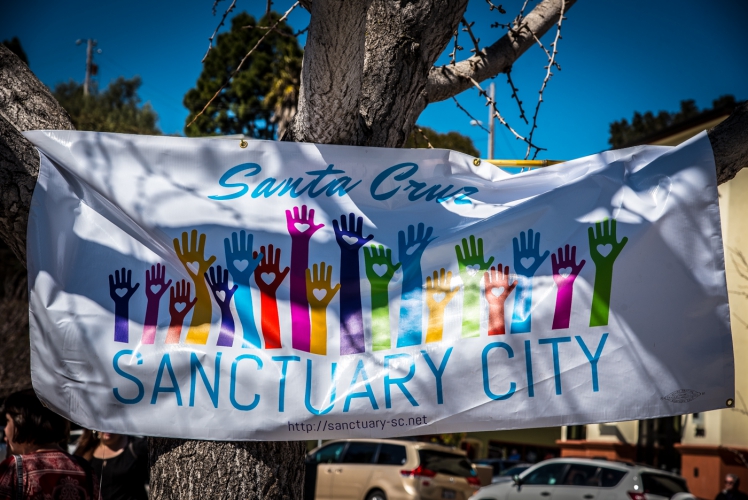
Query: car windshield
{"x": 515, "y": 470}
{"x": 446, "y": 463}
{"x": 660, "y": 484}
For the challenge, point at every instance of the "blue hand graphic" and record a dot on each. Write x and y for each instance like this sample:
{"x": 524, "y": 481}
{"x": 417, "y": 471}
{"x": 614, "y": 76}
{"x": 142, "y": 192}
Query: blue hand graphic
{"x": 410, "y": 329}
{"x": 120, "y": 290}
{"x": 241, "y": 263}
{"x": 527, "y": 260}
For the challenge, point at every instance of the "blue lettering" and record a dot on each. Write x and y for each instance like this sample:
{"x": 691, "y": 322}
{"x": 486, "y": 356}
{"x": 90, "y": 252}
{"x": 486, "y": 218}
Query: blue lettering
{"x": 368, "y": 393}
{"x": 232, "y": 393}
{"x": 133, "y": 378}
{"x": 253, "y": 168}
{"x": 438, "y": 372}
{"x": 400, "y": 382}
{"x": 593, "y": 359}
{"x": 556, "y": 368}
{"x": 412, "y": 168}
{"x": 528, "y": 366}
{"x": 282, "y": 386}
{"x": 166, "y": 363}
{"x": 486, "y": 378}
{"x": 308, "y": 392}
{"x": 461, "y": 200}
{"x": 195, "y": 367}
{"x": 265, "y": 188}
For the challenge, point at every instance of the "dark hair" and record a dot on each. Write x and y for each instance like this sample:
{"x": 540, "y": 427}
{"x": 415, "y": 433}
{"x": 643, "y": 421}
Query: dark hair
{"x": 32, "y": 421}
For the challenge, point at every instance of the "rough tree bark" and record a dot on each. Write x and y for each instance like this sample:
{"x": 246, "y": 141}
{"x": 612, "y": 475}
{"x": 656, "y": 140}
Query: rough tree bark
{"x": 367, "y": 75}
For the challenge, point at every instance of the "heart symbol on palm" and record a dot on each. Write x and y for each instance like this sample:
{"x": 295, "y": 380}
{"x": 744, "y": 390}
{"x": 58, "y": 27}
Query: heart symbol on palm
{"x": 241, "y": 265}
{"x": 565, "y": 272}
{"x": 379, "y": 269}
{"x": 605, "y": 249}
{"x": 351, "y": 240}
{"x": 179, "y": 306}
{"x": 438, "y": 297}
{"x": 193, "y": 266}
{"x": 268, "y": 278}
{"x": 527, "y": 262}
{"x": 473, "y": 270}
{"x": 154, "y": 289}
{"x": 301, "y": 227}
{"x": 221, "y": 295}
{"x": 319, "y": 293}
{"x": 497, "y": 291}
{"x": 121, "y": 292}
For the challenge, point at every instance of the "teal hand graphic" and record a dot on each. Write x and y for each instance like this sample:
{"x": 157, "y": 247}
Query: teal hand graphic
{"x": 604, "y": 250}
{"x": 472, "y": 264}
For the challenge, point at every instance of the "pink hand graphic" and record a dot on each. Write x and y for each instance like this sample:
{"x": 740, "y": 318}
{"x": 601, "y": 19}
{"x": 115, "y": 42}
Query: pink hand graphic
{"x": 565, "y": 271}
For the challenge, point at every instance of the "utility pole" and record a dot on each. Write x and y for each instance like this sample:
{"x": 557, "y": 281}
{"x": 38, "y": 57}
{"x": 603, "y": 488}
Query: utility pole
{"x": 492, "y": 95}
{"x": 91, "y": 68}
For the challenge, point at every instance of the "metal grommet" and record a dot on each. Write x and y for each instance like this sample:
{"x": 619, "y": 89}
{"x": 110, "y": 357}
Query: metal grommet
{"x": 476, "y": 162}
{"x": 730, "y": 403}
{"x": 243, "y": 144}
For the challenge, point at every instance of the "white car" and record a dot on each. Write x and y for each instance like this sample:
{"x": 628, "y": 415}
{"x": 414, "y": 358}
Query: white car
{"x": 586, "y": 479}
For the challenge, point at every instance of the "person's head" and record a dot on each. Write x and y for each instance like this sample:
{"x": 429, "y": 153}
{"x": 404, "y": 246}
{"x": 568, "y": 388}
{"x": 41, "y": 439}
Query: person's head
{"x": 732, "y": 482}
{"x": 29, "y": 425}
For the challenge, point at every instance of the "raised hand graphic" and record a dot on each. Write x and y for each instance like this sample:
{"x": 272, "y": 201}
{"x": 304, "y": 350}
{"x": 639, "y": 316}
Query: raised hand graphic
{"x": 192, "y": 255}
{"x": 241, "y": 263}
{"x": 380, "y": 269}
{"x": 498, "y": 289}
{"x": 472, "y": 265}
{"x": 179, "y": 305}
{"x": 350, "y": 237}
{"x": 219, "y": 285}
{"x": 155, "y": 288}
{"x": 439, "y": 293}
{"x": 527, "y": 260}
{"x": 604, "y": 250}
{"x": 565, "y": 271}
{"x": 268, "y": 276}
{"x": 120, "y": 290}
{"x": 410, "y": 250}
{"x": 301, "y": 227}
{"x": 320, "y": 291}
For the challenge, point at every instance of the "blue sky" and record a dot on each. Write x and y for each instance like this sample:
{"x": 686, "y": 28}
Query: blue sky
{"x": 616, "y": 58}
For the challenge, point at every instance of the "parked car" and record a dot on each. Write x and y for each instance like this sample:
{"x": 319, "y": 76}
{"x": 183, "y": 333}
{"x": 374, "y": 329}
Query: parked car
{"x": 499, "y": 465}
{"x": 508, "y": 474}
{"x": 577, "y": 478}
{"x": 385, "y": 469}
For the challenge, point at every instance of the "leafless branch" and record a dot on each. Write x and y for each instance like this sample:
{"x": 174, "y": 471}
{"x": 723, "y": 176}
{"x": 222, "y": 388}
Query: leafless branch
{"x": 548, "y": 75}
{"x": 223, "y": 18}
{"x": 425, "y": 137}
{"x": 241, "y": 63}
{"x": 515, "y": 94}
{"x": 741, "y": 264}
{"x": 453, "y": 54}
{"x": 468, "y": 113}
{"x": 492, "y": 103}
{"x": 476, "y": 41}
{"x": 491, "y": 7}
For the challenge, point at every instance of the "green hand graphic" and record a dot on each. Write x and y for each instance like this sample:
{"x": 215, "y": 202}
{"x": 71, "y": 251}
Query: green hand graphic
{"x": 604, "y": 249}
{"x": 472, "y": 265}
{"x": 379, "y": 270}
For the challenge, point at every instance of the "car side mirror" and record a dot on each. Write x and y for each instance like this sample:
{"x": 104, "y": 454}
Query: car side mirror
{"x": 516, "y": 479}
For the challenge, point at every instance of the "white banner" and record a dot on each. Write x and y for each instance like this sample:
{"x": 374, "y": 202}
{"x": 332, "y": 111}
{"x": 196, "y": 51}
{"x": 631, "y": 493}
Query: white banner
{"x": 197, "y": 289}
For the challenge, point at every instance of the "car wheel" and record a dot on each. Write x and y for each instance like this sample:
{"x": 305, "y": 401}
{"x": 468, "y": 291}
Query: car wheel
{"x": 376, "y": 495}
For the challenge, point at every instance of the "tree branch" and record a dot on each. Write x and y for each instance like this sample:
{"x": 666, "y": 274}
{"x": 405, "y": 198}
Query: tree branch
{"x": 447, "y": 81}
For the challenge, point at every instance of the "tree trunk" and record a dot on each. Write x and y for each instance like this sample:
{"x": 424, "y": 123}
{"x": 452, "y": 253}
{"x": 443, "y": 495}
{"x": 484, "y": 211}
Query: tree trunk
{"x": 368, "y": 74}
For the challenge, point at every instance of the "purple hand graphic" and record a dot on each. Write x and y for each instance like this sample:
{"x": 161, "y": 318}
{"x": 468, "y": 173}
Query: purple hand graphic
{"x": 565, "y": 271}
{"x": 155, "y": 288}
{"x": 179, "y": 305}
{"x": 350, "y": 233}
{"x": 120, "y": 290}
{"x": 301, "y": 227}
{"x": 219, "y": 285}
